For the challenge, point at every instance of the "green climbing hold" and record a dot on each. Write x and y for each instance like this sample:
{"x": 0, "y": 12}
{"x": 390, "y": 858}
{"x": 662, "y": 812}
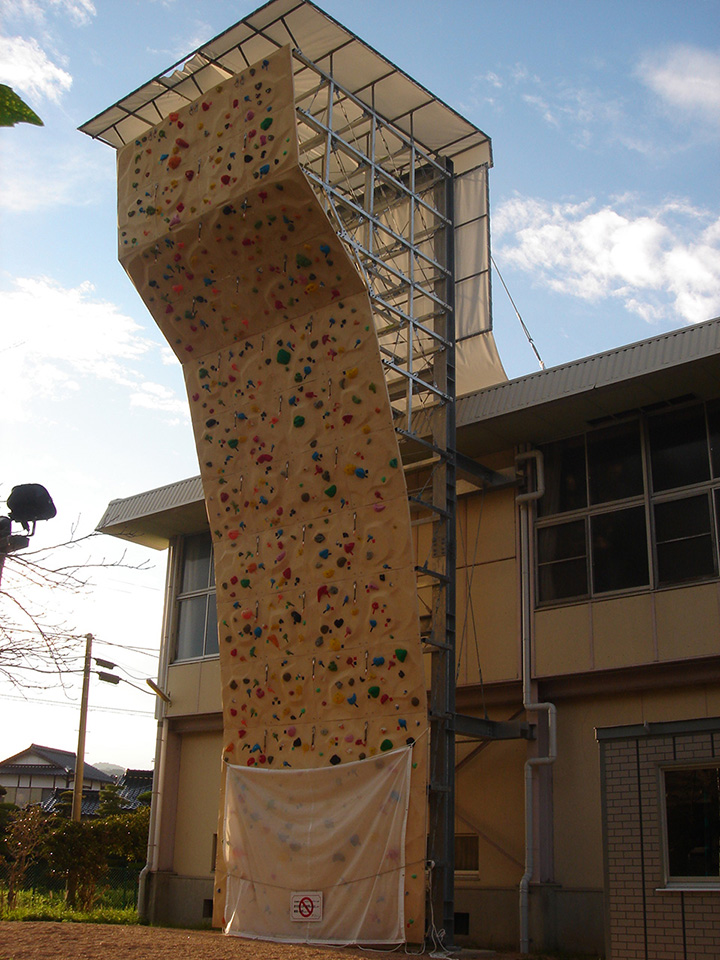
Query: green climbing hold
{"x": 386, "y": 745}
{"x": 302, "y": 261}
{"x": 298, "y": 421}
{"x": 394, "y": 463}
{"x": 283, "y": 356}
{"x": 331, "y": 490}
{"x": 401, "y": 655}
{"x": 266, "y": 123}
{"x": 374, "y": 692}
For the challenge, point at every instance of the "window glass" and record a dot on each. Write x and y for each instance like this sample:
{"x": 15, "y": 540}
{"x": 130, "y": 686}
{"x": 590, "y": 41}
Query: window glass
{"x": 211, "y": 629}
{"x": 615, "y": 463}
{"x": 196, "y": 605}
{"x": 466, "y": 852}
{"x": 679, "y": 448}
{"x": 565, "y": 486}
{"x": 684, "y": 540}
{"x": 692, "y": 809}
{"x": 197, "y": 563}
{"x": 192, "y": 614}
{"x": 619, "y": 550}
{"x": 713, "y": 415}
{"x": 562, "y": 561}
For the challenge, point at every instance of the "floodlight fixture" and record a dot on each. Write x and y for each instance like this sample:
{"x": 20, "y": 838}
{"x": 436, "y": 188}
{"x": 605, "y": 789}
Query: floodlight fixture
{"x": 28, "y": 503}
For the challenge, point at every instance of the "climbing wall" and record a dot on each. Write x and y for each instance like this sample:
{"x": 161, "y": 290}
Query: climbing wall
{"x": 236, "y": 260}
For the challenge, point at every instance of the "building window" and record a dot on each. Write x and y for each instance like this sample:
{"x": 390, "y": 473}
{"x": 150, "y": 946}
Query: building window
{"x": 692, "y": 822}
{"x": 631, "y": 506}
{"x": 562, "y": 561}
{"x": 684, "y": 541}
{"x": 466, "y": 852}
{"x": 197, "y": 634}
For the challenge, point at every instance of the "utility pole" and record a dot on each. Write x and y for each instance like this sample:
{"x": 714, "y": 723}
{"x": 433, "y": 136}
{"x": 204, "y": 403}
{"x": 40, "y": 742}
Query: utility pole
{"x": 80, "y": 756}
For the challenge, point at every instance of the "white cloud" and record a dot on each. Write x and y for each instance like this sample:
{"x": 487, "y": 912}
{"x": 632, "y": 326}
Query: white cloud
{"x": 155, "y": 396}
{"x": 79, "y": 11}
{"x": 660, "y": 263}
{"x": 25, "y": 66}
{"x": 583, "y": 111}
{"x": 62, "y": 340}
{"x": 686, "y": 78}
{"x": 48, "y": 177}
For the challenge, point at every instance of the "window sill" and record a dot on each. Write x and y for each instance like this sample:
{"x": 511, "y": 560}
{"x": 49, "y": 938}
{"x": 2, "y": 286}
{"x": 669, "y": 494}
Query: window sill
{"x": 200, "y": 659}
{"x": 712, "y": 886}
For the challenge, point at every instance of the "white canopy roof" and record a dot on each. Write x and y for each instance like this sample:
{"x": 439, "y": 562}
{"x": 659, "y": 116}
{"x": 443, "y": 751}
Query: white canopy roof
{"x": 319, "y": 38}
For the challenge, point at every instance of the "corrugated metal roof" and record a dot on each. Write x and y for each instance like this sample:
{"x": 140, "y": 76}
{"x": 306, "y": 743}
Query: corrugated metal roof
{"x": 152, "y": 501}
{"x": 368, "y": 75}
{"x": 530, "y": 408}
{"x": 153, "y": 517}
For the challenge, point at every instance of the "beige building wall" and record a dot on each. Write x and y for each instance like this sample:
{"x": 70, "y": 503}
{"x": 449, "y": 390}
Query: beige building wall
{"x": 194, "y": 688}
{"x": 652, "y": 627}
{"x": 198, "y": 790}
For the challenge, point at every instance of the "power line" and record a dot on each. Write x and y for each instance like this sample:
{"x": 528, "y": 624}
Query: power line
{"x": 73, "y": 705}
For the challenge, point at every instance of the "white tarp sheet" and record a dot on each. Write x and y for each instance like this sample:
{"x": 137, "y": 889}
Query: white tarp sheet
{"x": 336, "y": 831}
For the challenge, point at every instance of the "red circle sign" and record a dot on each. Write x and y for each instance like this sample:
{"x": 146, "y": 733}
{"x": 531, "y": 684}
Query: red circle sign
{"x": 306, "y": 907}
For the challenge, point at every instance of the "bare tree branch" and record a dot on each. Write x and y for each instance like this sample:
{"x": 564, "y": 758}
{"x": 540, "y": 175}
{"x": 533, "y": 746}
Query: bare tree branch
{"x": 39, "y": 650}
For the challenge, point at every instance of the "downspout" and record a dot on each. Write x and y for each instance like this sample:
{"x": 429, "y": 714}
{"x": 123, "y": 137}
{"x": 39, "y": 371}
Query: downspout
{"x": 530, "y": 705}
{"x": 153, "y": 827}
{"x": 151, "y": 864}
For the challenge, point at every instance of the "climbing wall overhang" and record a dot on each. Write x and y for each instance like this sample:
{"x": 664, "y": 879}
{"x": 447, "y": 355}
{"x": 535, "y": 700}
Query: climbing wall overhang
{"x": 225, "y": 240}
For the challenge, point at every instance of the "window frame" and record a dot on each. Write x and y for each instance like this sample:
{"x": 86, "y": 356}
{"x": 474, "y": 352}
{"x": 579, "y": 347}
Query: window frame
{"x": 672, "y": 881}
{"x": 467, "y": 871}
{"x": 179, "y": 597}
{"x": 648, "y": 499}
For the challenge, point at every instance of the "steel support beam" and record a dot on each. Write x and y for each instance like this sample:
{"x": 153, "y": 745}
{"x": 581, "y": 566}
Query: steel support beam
{"x": 478, "y": 728}
{"x": 441, "y": 839}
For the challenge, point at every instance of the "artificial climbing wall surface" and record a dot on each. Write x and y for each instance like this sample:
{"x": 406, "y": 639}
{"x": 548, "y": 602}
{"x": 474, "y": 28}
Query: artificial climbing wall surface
{"x": 236, "y": 260}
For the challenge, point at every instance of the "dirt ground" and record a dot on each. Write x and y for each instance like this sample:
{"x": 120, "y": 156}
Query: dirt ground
{"x": 86, "y": 941}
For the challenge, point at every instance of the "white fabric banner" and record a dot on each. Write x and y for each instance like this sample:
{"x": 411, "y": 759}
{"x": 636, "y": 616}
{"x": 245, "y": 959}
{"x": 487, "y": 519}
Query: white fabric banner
{"x": 336, "y": 831}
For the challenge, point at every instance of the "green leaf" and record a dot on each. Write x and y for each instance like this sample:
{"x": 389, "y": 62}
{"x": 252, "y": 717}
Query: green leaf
{"x": 14, "y": 110}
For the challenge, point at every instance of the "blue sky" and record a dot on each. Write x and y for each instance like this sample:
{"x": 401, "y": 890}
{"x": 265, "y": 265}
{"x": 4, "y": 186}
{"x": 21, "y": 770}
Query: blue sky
{"x": 605, "y": 213}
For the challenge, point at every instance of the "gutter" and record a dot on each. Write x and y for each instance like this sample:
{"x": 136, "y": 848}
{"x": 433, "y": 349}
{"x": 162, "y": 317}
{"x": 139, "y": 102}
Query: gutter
{"x": 529, "y": 703}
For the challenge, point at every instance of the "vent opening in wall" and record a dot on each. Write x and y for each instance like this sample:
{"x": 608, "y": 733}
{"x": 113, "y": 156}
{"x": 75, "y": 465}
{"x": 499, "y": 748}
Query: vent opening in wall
{"x": 462, "y": 924}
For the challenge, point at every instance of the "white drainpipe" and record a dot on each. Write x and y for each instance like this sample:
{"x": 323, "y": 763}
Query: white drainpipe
{"x": 529, "y": 704}
{"x": 153, "y": 827}
{"x": 160, "y": 744}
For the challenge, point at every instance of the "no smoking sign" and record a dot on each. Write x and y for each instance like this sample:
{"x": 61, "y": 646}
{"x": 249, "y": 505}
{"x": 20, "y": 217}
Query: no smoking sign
{"x": 306, "y": 905}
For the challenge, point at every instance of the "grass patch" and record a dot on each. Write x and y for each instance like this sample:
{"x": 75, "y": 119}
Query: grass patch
{"x": 37, "y": 906}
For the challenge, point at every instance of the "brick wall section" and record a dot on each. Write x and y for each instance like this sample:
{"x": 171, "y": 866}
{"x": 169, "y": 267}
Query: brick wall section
{"x": 644, "y": 921}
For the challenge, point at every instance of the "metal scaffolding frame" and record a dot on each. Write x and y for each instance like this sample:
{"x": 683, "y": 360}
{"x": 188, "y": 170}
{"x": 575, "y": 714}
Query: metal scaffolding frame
{"x": 392, "y": 203}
